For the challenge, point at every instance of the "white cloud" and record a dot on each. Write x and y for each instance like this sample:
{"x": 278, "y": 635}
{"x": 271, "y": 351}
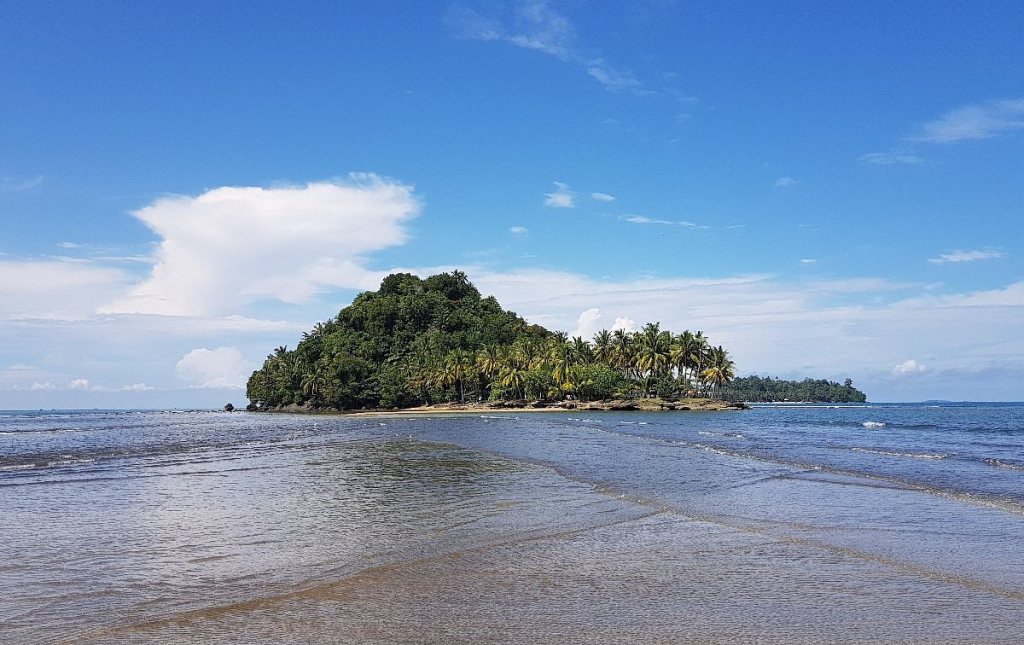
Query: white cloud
{"x": 16, "y": 184}
{"x": 588, "y": 324}
{"x": 231, "y": 247}
{"x": 824, "y": 328}
{"x": 908, "y": 368}
{"x": 965, "y": 256}
{"x": 79, "y": 384}
{"x": 640, "y": 219}
{"x": 602, "y": 197}
{"x": 221, "y": 367}
{"x": 626, "y": 324}
{"x": 974, "y": 122}
{"x": 562, "y": 197}
{"x": 808, "y": 261}
{"x": 785, "y": 182}
{"x": 615, "y": 80}
{"x": 519, "y": 230}
{"x": 56, "y": 289}
{"x": 887, "y": 158}
{"x": 692, "y": 225}
{"x": 42, "y": 386}
{"x": 136, "y": 387}
{"x": 538, "y": 27}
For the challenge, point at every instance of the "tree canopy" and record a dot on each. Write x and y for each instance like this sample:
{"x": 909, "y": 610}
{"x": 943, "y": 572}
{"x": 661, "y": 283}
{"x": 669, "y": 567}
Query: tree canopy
{"x": 763, "y": 389}
{"x": 423, "y": 341}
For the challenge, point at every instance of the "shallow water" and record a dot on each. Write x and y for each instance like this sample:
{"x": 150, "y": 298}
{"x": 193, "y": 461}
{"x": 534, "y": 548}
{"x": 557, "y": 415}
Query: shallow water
{"x": 863, "y": 524}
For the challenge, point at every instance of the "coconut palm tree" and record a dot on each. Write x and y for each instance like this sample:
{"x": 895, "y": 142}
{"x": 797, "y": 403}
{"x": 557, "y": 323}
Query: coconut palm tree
{"x": 603, "y": 346}
{"x": 720, "y": 370}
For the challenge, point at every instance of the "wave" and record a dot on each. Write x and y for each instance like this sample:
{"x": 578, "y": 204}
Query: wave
{"x": 727, "y": 435}
{"x": 873, "y": 424}
{"x": 931, "y": 456}
{"x": 1000, "y": 463}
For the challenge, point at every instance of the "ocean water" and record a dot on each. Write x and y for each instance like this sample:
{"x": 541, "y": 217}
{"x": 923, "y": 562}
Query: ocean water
{"x": 795, "y": 524}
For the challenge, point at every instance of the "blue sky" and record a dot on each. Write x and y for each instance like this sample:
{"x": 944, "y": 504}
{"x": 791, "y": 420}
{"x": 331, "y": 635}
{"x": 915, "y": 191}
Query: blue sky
{"x": 827, "y": 189}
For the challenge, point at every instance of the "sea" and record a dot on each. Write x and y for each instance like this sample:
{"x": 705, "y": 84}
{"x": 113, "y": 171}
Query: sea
{"x": 885, "y": 523}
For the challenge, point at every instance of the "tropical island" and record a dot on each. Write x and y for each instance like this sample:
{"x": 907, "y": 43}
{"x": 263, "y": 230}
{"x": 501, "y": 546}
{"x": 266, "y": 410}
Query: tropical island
{"x": 437, "y": 341}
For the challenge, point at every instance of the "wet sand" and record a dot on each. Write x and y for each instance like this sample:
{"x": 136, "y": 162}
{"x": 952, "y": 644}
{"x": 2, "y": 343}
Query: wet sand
{"x": 659, "y": 578}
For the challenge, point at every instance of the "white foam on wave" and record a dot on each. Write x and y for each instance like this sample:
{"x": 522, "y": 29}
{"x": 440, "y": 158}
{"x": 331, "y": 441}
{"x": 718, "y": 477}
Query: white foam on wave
{"x": 730, "y": 435}
{"x": 873, "y": 424}
{"x": 908, "y": 455}
{"x": 999, "y": 463}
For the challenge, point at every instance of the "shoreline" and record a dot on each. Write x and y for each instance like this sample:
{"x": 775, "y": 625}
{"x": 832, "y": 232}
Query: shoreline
{"x": 638, "y": 405}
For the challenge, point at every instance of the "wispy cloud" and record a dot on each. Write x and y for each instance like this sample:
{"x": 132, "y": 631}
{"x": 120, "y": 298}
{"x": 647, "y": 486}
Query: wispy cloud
{"x": 18, "y": 184}
{"x": 640, "y": 219}
{"x": 808, "y": 261}
{"x": 602, "y": 197}
{"x": 785, "y": 182}
{"x": 974, "y": 122}
{"x": 519, "y": 230}
{"x": 539, "y": 27}
{"x": 889, "y": 158}
{"x": 965, "y": 256}
{"x": 562, "y": 197}
{"x": 616, "y": 80}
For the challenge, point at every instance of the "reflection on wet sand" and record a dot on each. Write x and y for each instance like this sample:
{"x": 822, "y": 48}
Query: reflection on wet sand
{"x": 654, "y": 579}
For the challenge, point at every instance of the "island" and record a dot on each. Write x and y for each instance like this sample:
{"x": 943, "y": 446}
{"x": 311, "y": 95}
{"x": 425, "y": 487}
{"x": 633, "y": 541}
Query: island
{"x": 437, "y": 343}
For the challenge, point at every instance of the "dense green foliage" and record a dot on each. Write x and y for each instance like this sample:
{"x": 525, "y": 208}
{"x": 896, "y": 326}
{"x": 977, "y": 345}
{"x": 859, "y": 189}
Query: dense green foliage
{"x": 757, "y": 389}
{"x": 423, "y": 341}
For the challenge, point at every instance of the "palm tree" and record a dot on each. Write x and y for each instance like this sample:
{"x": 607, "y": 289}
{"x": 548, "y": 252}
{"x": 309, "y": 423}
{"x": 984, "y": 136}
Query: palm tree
{"x": 652, "y": 358}
{"x": 721, "y": 368}
{"x": 622, "y": 342}
{"x": 582, "y": 351}
{"x": 458, "y": 366}
{"x": 603, "y": 346}
{"x": 512, "y": 377}
{"x": 489, "y": 362}
{"x": 700, "y": 357}
{"x": 682, "y": 356}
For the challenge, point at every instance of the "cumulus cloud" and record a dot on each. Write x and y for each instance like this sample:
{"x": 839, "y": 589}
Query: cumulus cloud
{"x": 562, "y": 197}
{"x": 974, "y": 122}
{"x": 908, "y": 368}
{"x": 626, "y": 324}
{"x": 588, "y": 323}
{"x": 965, "y": 256}
{"x": 231, "y": 247}
{"x": 220, "y": 367}
{"x": 79, "y": 384}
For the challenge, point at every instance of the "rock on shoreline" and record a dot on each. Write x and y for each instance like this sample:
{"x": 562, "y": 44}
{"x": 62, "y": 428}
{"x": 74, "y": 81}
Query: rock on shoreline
{"x": 616, "y": 405}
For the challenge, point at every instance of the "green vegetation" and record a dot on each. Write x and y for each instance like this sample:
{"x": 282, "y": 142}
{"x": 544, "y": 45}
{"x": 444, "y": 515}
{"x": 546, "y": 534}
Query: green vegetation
{"x": 434, "y": 340}
{"x": 757, "y": 389}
